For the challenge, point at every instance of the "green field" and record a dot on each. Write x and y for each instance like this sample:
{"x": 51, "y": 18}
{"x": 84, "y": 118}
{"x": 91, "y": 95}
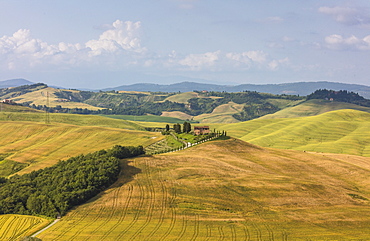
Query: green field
{"x": 313, "y": 107}
{"x": 229, "y": 190}
{"x": 342, "y": 131}
{"x": 14, "y": 227}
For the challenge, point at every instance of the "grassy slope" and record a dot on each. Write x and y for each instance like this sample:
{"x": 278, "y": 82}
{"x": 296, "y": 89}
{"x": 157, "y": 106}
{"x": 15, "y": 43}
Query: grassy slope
{"x": 182, "y": 97}
{"x": 342, "y": 131}
{"x": 43, "y": 145}
{"x": 177, "y": 115}
{"x": 221, "y": 114}
{"x": 83, "y": 120}
{"x": 39, "y": 97}
{"x": 229, "y": 190}
{"x": 13, "y": 227}
{"x": 16, "y": 108}
{"x": 314, "y": 107}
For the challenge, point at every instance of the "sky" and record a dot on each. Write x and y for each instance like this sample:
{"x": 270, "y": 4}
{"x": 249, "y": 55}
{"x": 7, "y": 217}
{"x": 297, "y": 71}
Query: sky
{"x": 99, "y": 44}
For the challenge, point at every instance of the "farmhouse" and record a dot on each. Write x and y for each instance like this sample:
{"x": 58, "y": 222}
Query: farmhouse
{"x": 201, "y": 130}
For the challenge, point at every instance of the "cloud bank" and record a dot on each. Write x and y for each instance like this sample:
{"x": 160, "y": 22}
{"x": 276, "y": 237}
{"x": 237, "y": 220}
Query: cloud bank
{"x": 119, "y": 46}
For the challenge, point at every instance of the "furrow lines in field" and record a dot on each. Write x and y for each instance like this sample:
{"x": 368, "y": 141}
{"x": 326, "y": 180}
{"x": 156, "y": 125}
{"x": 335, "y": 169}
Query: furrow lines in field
{"x": 137, "y": 214}
{"x": 2, "y": 226}
{"x": 221, "y": 232}
{"x": 284, "y": 236}
{"x": 100, "y": 213}
{"x": 247, "y": 234}
{"x": 270, "y": 232}
{"x": 152, "y": 199}
{"x": 196, "y": 228}
{"x": 209, "y": 232}
{"x": 164, "y": 207}
{"x": 70, "y": 226}
{"x": 258, "y": 232}
{"x": 17, "y": 228}
{"x": 10, "y": 224}
{"x": 171, "y": 205}
{"x": 124, "y": 212}
{"x": 233, "y": 232}
{"x": 183, "y": 228}
{"x": 113, "y": 209}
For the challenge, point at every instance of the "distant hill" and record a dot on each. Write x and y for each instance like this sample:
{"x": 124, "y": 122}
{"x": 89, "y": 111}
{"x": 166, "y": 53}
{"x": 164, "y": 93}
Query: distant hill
{"x": 299, "y": 88}
{"x": 14, "y": 83}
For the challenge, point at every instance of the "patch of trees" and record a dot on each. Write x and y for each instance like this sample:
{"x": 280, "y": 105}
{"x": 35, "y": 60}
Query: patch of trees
{"x": 55, "y": 190}
{"x": 255, "y": 110}
{"x": 341, "y": 95}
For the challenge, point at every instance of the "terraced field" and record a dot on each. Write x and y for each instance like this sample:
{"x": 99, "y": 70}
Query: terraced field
{"x": 41, "y": 145}
{"x": 341, "y": 131}
{"x": 13, "y": 227}
{"x": 228, "y": 190}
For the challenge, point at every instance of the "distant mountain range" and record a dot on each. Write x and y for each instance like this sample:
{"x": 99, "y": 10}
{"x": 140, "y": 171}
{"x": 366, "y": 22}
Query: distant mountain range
{"x": 14, "y": 83}
{"x": 298, "y": 88}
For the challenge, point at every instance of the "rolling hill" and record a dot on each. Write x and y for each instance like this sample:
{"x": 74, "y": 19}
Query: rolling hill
{"x": 341, "y": 131}
{"x": 25, "y": 138}
{"x": 313, "y": 107}
{"x": 228, "y": 190}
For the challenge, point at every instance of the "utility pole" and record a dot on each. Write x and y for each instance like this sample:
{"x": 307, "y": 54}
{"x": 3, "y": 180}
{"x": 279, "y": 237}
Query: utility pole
{"x": 47, "y": 114}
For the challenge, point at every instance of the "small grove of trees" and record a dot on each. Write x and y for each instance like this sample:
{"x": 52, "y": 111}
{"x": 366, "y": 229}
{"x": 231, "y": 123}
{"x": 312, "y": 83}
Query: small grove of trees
{"x": 177, "y": 128}
{"x": 55, "y": 190}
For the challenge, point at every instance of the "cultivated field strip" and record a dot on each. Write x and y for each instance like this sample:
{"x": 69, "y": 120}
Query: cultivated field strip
{"x": 143, "y": 209}
{"x": 13, "y": 227}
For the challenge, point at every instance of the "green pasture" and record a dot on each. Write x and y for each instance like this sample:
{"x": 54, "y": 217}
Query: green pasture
{"x": 342, "y": 131}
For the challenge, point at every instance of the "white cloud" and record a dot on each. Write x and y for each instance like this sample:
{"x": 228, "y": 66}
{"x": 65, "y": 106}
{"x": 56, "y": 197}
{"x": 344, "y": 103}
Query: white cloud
{"x": 347, "y": 15}
{"x": 338, "y": 42}
{"x": 198, "y": 61}
{"x": 276, "y": 63}
{"x": 247, "y": 58}
{"x": 123, "y": 36}
{"x": 120, "y": 42}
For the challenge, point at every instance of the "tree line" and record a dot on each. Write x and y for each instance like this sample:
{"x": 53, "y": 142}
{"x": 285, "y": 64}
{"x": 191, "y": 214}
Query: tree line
{"x": 56, "y": 189}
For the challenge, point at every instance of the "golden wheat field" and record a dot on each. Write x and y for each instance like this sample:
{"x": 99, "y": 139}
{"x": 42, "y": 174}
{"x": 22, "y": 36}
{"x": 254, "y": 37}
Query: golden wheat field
{"x": 42, "y": 145}
{"x": 13, "y": 227}
{"x": 228, "y": 190}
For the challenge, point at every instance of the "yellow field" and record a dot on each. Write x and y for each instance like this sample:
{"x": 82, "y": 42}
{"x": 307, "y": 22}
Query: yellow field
{"x": 14, "y": 227}
{"x": 342, "y": 131}
{"x": 221, "y": 114}
{"x": 74, "y": 119}
{"x": 177, "y": 114}
{"x": 229, "y": 190}
{"x": 43, "y": 145}
{"x": 39, "y": 97}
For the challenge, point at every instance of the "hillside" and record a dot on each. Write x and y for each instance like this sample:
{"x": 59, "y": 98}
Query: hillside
{"x": 313, "y": 107}
{"x": 341, "y": 131}
{"x": 228, "y": 190}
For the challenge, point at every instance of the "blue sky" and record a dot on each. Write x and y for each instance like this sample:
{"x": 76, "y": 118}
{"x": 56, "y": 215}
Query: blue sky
{"x": 99, "y": 44}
